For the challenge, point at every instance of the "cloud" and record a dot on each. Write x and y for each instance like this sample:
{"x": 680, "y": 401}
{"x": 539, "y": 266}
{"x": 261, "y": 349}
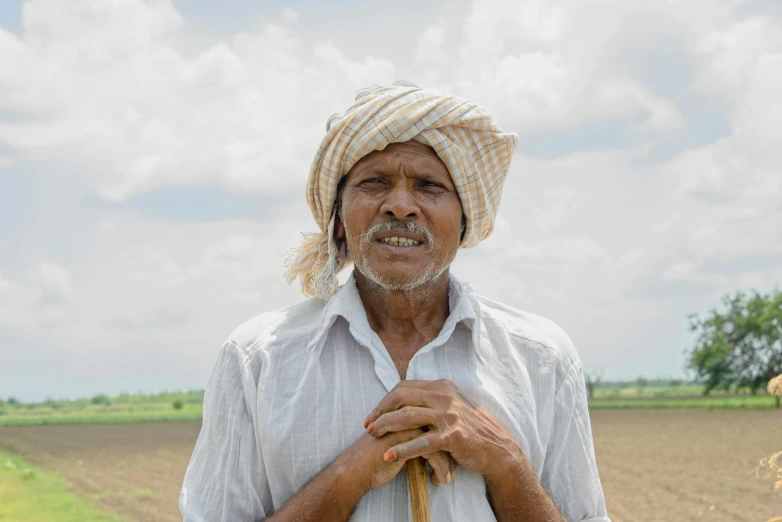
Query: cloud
{"x": 40, "y": 300}
{"x": 140, "y": 115}
{"x": 646, "y": 182}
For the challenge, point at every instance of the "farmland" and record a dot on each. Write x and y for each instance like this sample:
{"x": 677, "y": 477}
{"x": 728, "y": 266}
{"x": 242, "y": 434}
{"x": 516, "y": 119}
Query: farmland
{"x": 187, "y": 406}
{"x": 656, "y": 465}
{"x": 101, "y": 409}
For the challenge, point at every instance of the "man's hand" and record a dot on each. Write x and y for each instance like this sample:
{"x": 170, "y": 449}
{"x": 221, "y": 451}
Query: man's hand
{"x": 457, "y": 426}
{"x": 364, "y": 459}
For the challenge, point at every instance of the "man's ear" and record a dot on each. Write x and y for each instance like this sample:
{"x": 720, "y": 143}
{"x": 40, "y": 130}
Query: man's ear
{"x": 339, "y": 228}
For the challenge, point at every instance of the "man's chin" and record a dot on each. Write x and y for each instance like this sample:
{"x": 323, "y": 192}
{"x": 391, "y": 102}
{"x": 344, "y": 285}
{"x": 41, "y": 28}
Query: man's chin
{"x": 400, "y": 280}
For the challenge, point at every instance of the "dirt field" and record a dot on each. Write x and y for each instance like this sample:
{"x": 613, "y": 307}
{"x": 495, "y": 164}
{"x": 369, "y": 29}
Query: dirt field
{"x": 656, "y": 465}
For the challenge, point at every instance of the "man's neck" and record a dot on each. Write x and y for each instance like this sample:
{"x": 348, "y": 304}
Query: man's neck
{"x": 405, "y": 318}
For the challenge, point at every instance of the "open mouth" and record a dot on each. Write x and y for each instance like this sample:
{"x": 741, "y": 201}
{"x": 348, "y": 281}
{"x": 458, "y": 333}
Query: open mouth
{"x": 400, "y": 241}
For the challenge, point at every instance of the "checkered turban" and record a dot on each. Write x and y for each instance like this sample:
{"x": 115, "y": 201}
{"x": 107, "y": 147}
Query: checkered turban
{"x": 476, "y": 152}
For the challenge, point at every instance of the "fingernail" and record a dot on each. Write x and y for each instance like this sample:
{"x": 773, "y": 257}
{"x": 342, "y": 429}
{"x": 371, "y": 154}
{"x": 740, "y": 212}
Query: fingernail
{"x": 448, "y": 477}
{"x": 389, "y": 456}
{"x": 371, "y": 428}
{"x": 366, "y": 421}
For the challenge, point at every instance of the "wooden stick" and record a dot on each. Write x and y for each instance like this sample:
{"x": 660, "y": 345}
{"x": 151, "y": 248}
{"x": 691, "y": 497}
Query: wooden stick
{"x": 419, "y": 496}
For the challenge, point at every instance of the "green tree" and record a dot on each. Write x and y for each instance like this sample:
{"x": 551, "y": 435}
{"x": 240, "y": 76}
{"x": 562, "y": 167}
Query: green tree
{"x": 593, "y": 380}
{"x": 740, "y": 344}
{"x": 101, "y": 399}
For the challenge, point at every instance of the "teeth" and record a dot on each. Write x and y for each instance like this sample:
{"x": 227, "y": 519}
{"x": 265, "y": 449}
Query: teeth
{"x": 399, "y": 241}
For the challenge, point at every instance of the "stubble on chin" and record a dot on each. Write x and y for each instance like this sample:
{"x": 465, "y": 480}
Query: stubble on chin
{"x": 426, "y": 277}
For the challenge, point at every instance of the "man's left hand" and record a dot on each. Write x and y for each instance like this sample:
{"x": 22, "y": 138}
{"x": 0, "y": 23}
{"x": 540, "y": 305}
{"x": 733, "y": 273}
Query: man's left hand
{"x": 457, "y": 425}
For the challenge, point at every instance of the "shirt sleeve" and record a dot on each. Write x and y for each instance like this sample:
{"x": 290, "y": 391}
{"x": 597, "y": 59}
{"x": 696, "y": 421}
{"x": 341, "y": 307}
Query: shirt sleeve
{"x": 569, "y": 471}
{"x": 226, "y": 478}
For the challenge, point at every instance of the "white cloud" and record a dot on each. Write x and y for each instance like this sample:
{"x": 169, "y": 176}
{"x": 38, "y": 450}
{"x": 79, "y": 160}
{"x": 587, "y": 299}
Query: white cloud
{"x": 140, "y": 115}
{"x": 290, "y": 15}
{"x": 41, "y": 300}
{"x": 430, "y": 45}
{"x": 616, "y": 249}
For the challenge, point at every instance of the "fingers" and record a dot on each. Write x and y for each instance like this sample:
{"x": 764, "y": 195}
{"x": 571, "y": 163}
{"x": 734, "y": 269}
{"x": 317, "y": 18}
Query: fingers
{"x": 413, "y": 397}
{"x": 398, "y": 398}
{"x": 409, "y": 417}
{"x": 443, "y": 467}
{"x": 429, "y": 442}
{"x": 400, "y": 437}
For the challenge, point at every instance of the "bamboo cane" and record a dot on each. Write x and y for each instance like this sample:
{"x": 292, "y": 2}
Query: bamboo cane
{"x": 419, "y": 496}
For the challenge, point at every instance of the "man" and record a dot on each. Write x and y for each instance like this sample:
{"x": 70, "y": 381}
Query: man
{"x": 312, "y": 412}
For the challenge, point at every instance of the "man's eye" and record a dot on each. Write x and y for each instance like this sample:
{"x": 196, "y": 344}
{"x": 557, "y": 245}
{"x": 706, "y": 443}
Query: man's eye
{"x": 431, "y": 184}
{"x": 372, "y": 180}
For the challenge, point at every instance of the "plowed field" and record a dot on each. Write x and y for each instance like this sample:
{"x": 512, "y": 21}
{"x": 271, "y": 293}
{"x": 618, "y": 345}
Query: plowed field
{"x": 656, "y": 465}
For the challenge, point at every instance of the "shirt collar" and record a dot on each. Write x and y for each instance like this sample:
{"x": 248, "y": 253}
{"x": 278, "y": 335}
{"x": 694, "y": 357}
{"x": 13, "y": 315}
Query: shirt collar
{"x": 346, "y": 303}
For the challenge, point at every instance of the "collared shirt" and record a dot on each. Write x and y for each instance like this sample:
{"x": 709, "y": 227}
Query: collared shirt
{"x": 291, "y": 389}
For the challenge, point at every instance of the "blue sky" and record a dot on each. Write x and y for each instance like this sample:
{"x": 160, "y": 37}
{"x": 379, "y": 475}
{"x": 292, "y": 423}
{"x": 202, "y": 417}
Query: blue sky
{"x": 153, "y": 160}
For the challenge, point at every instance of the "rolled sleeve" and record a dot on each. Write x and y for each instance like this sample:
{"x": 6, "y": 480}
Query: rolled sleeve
{"x": 226, "y": 478}
{"x": 569, "y": 471}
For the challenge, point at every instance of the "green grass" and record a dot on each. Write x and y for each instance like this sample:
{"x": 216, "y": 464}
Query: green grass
{"x": 28, "y": 494}
{"x": 757, "y": 402}
{"x": 614, "y": 391}
{"x": 100, "y": 415}
{"x": 162, "y": 407}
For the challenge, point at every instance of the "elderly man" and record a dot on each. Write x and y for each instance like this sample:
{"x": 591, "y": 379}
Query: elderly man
{"x": 312, "y": 412}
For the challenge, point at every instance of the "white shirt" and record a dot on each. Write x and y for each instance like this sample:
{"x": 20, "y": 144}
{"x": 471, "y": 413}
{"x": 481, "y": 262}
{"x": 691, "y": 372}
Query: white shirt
{"x": 291, "y": 389}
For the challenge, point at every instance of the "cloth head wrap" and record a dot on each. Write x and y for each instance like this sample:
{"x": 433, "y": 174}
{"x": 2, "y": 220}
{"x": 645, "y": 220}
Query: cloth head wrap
{"x": 476, "y": 152}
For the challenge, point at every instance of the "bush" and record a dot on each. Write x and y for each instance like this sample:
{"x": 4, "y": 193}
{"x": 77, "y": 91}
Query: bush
{"x": 13, "y": 401}
{"x": 101, "y": 399}
{"x": 51, "y": 403}
{"x": 179, "y": 404}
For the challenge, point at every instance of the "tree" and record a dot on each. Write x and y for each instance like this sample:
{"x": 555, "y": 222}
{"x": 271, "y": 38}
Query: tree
{"x": 739, "y": 345}
{"x": 593, "y": 380}
{"x": 101, "y": 399}
{"x": 641, "y": 383}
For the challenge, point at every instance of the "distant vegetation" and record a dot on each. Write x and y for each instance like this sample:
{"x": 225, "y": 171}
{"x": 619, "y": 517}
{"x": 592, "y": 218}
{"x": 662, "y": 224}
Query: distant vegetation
{"x": 158, "y": 407}
{"x": 178, "y": 406}
{"x": 671, "y": 393}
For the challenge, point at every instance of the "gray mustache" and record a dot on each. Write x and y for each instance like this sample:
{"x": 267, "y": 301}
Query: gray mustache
{"x": 391, "y": 225}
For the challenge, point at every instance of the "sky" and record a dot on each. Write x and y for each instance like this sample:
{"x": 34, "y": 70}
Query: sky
{"x": 154, "y": 157}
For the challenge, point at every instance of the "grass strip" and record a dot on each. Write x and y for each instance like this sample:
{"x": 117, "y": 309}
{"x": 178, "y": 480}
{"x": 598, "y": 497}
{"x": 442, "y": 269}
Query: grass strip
{"x": 29, "y": 494}
{"x": 715, "y": 403}
{"x": 122, "y": 417}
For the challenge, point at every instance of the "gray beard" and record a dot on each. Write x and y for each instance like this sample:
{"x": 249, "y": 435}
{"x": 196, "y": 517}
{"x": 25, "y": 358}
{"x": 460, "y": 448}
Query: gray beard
{"x": 427, "y": 277}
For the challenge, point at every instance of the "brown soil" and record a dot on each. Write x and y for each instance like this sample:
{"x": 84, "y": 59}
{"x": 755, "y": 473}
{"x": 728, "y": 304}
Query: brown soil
{"x": 683, "y": 465}
{"x": 656, "y": 465}
{"x": 135, "y": 470}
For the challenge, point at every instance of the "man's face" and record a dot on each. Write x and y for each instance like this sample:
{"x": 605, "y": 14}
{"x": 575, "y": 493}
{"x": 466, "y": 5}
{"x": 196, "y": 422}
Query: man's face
{"x": 404, "y": 192}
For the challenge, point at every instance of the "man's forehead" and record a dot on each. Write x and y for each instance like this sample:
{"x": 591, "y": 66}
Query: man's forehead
{"x": 407, "y": 150}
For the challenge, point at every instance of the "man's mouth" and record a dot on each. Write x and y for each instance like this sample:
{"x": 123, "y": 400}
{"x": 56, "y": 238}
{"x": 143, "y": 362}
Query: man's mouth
{"x": 400, "y": 241}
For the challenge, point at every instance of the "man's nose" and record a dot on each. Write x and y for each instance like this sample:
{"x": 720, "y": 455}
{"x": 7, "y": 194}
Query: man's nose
{"x": 400, "y": 203}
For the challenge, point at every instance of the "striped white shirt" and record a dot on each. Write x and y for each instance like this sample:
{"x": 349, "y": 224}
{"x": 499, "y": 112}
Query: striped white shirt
{"x": 290, "y": 391}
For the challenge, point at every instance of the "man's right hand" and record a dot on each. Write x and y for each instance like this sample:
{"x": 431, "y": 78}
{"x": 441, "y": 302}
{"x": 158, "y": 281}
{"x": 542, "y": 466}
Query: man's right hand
{"x": 365, "y": 458}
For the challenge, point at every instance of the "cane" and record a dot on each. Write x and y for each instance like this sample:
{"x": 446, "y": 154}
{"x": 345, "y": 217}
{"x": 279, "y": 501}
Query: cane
{"x": 419, "y": 496}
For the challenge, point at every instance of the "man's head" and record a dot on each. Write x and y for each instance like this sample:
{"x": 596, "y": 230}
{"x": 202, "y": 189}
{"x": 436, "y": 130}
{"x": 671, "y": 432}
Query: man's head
{"x": 400, "y": 216}
{"x": 401, "y": 134}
